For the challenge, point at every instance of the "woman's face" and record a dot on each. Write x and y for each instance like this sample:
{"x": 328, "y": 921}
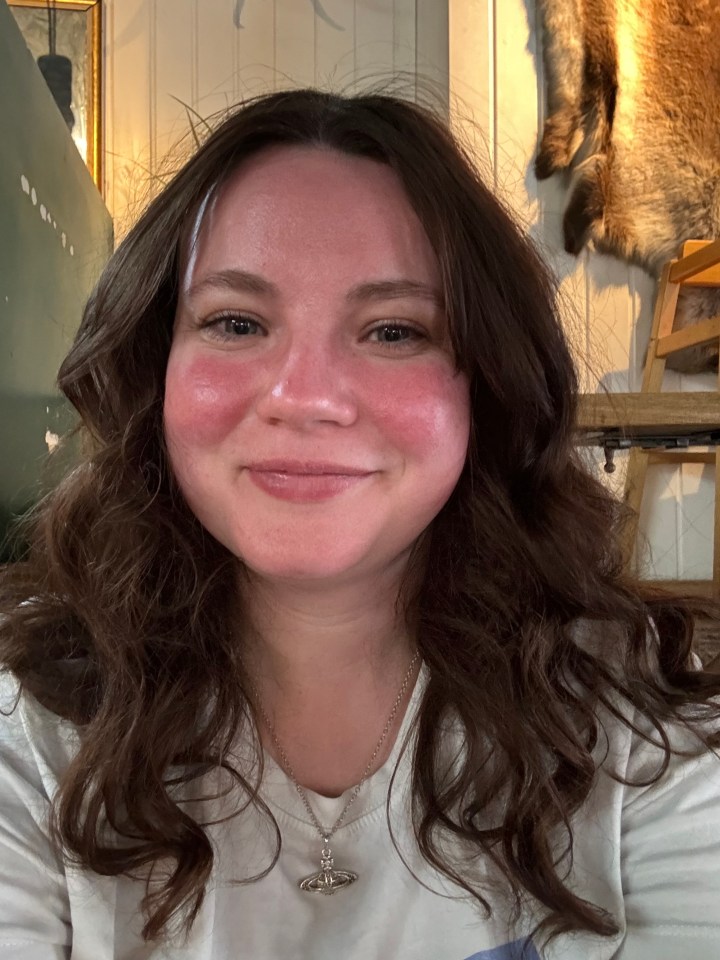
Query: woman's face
{"x": 313, "y": 416}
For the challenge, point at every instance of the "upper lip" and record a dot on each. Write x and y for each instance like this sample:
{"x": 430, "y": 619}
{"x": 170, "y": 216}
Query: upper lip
{"x": 308, "y": 467}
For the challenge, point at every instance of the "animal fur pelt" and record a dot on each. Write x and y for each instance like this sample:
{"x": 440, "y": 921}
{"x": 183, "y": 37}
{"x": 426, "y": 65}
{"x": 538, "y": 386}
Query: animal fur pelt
{"x": 633, "y": 90}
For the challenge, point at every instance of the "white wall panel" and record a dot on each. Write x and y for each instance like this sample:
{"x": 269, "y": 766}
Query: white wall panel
{"x": 129, "y": 27}
{"x": 373, "y": 40}
{"x": 609, "y": 320}
{"x": 295, "y": 29}
{"x": 173, "y": 62}
{"x": 253, "y": 65}
{"x": 403, "y": 61}
{"x": 169, "y": 59}
{"x": 471, "y": 74}
{"x": 515, "y": 109}
{"x": 335, "y": 48}
{"x": 431, "y": 45}
{"x": 216, "y": 45}
{"x": 696, "y": 503}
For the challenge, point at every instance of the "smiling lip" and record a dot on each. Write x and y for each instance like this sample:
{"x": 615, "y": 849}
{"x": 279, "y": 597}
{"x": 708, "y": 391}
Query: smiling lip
{"x": 302, "y": 481}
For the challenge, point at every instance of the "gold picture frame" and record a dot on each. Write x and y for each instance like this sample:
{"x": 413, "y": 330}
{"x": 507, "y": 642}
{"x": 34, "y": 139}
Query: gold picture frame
{"x": 86, "y": 57}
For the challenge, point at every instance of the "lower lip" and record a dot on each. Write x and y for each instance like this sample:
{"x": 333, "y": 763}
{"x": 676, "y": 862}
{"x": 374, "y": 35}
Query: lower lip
{"x": 304, "y": 487}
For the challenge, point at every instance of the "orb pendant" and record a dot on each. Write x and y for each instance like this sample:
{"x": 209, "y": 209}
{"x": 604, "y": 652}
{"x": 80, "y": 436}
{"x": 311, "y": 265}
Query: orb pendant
{"x": 327, "y": 880}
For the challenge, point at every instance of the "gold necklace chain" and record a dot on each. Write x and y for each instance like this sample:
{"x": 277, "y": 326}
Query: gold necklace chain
{"x": 329, "y": 880}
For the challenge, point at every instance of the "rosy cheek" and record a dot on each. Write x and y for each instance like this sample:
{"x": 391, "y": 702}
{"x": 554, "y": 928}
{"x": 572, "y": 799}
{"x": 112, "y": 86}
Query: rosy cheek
{"x": 422, "y": 406}
{"x": 205, "y": 397}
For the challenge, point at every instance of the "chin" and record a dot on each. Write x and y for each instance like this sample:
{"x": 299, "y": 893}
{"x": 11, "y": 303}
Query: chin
{"x": 306, "y": 566}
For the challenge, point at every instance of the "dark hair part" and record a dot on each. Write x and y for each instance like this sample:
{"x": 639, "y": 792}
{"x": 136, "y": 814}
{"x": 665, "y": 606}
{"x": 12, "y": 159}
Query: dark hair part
{"x": 131, "y": 631}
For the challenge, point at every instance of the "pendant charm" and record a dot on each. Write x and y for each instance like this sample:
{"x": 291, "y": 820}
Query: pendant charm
{"x": 328, "y": 880}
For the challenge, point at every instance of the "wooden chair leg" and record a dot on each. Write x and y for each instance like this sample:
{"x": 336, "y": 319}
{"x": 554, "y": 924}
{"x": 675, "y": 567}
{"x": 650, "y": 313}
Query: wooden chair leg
{"x": 662, "y": 326}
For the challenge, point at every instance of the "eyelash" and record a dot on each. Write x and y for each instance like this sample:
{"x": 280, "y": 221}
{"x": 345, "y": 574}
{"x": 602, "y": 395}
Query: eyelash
{"x": 215, "y": 326}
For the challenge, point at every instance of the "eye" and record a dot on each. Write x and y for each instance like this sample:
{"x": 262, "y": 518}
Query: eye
{"x": 232, "y": 326}
{"x": 395, "y": 333}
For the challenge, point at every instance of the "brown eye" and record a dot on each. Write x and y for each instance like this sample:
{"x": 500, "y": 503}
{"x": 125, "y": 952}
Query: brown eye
{"x": 394, "y": 333}
{"x": 233, "y": 326}
{"x": 238, "y": 326}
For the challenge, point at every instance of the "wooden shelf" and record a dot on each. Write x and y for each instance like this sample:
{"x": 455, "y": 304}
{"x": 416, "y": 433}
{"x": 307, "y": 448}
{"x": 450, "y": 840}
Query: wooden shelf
{"x": 647, "y": 414}
{"x": 684, "y": 588}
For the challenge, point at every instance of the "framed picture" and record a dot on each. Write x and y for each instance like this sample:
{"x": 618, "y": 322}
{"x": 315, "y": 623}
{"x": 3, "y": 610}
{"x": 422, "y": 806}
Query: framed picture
{"x": 65, "y": 39}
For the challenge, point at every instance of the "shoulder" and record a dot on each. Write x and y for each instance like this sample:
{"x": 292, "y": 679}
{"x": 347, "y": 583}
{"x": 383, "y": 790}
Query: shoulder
{"x": 658, "y": 777}
{"x": 602, "y": 638}
{"x": 36, "y": 746}
{"x": 669, "y": 842}
{"x": 664, "y": 781}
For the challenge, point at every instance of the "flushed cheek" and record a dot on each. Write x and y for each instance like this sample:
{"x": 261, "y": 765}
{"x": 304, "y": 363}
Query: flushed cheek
{"x": 205, "y": 398}
{"x": 423, "y": 409}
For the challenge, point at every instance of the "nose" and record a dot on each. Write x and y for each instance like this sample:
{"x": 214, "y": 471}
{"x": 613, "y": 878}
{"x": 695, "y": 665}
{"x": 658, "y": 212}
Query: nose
{"x": 307, "y": 385}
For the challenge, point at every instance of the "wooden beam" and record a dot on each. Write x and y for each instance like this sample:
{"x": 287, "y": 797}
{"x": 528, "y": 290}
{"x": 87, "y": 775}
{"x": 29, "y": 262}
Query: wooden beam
{"x": 662, "y": 326}
{"x": 659, "y": 413}
{"x": 681, "y": 456}
{"x": 694, "y": 588}
{"x": 703, "y": 263}
{"x": 709, "y": 277}
{"x": 705, "y": 331}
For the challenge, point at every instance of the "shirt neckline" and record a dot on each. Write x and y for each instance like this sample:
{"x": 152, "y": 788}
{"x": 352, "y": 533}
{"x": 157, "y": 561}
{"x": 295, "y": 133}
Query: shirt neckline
{"x": 280, "y": 792}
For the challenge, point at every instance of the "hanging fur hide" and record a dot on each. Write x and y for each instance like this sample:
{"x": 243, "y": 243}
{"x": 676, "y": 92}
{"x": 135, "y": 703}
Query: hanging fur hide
{"x": 633, "y": 91}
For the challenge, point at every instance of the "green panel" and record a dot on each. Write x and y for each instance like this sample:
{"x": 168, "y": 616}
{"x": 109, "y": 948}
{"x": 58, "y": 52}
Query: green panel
{"x": 55, "y": 237}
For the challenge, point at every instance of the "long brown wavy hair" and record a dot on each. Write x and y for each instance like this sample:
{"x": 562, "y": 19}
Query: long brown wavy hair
{"x": 131, "y": 629}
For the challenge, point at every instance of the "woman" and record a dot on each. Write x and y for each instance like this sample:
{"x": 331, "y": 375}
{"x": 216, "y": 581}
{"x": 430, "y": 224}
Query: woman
{"x": 325, "y": 649}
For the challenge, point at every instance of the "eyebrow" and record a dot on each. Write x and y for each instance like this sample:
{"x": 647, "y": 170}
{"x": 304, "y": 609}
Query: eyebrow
{"x": 370, "y": 291}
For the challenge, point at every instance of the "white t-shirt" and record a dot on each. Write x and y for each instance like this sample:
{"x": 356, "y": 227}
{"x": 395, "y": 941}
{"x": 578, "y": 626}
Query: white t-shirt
{"x": 649, "y": 855}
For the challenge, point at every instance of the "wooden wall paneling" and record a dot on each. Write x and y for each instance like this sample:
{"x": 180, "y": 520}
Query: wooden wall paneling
{"x": 516, "y": 109}
{"x": 610, "y": 318}
{"x": 374, "y": 23}
{"x": 128, "y": 161}
{"x": 696, "y": 499}
{"x": 254, "y": 48}
{"x": 335, "y": 47}
{"x": 641, "y": 289}
{"x": 471, "y": 79}
{"x": 403, "y": 37}
{"x": 431, "y": 47}
{"x": 173, "y": 62}
{"x": 215, "y": 56}
{"x": 658, "y": 530}
{"x": 294, "y": 43}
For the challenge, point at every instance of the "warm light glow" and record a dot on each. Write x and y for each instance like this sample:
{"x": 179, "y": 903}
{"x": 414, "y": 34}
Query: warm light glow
{"x": 80, "y": 142}
{"x": 630, "y": 38}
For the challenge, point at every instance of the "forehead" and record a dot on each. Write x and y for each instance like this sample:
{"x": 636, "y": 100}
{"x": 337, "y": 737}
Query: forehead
{"x": 294, "y": 209}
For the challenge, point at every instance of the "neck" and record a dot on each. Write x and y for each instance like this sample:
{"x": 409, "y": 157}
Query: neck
{"x": 337, "y": 638}
{"x": 328, "y": 665}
